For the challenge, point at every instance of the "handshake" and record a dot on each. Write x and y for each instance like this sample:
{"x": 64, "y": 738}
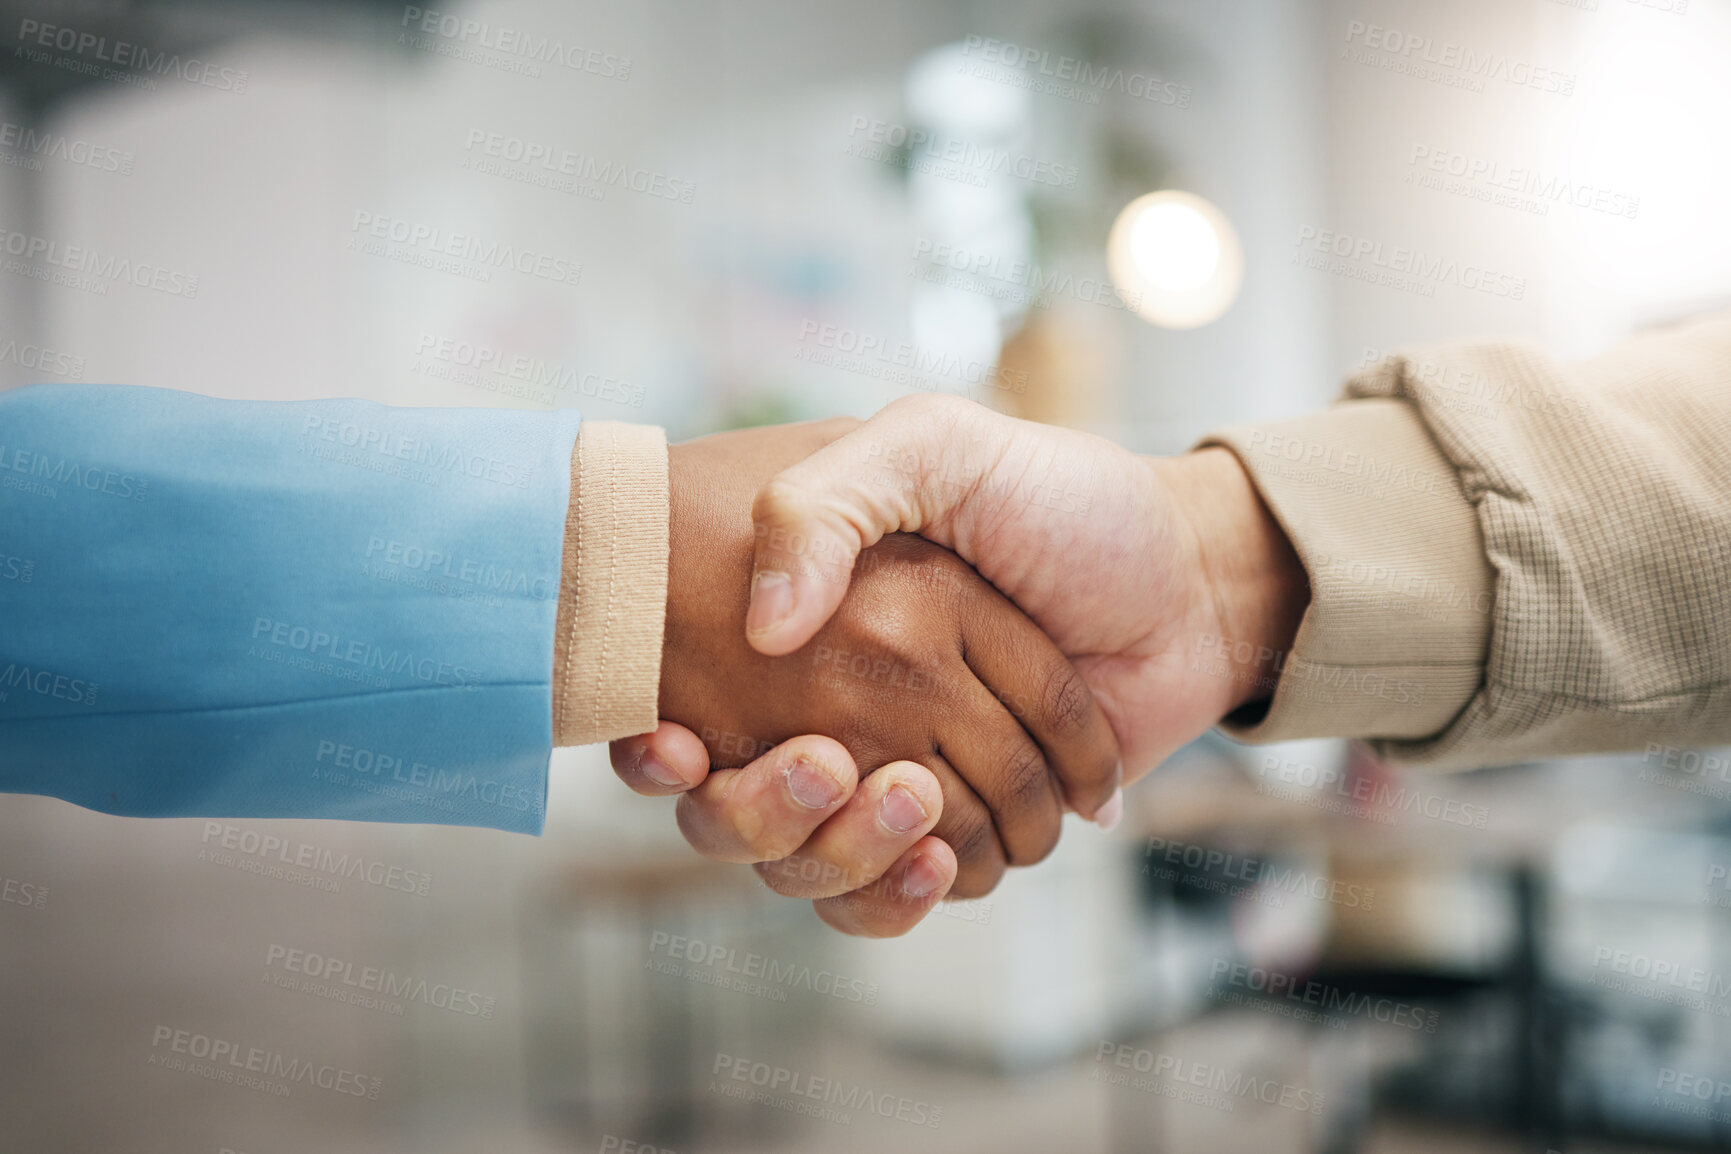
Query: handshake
{"x": 876, "y": 720}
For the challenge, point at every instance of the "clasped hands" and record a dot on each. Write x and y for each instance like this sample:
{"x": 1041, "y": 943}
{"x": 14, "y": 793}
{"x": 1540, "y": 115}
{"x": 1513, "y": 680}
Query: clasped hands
{"x": 877, "y": 721}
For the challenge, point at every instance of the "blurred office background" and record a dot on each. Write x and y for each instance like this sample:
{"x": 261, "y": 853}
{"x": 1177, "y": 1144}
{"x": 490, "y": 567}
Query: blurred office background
{"x": 826, "y": 205}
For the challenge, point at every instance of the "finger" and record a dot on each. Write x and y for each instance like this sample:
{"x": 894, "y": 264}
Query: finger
{"x": 670, "y": 760}
{"x": 769, "y": 808}
{"x": 1007, "y": 771}
{"x": 893, "y": 808}
{"x": 895, "y": 904}
{"x": 899, "y": 472}
{"x": 967, "y": 827}
{"x": 1039, "y": 687}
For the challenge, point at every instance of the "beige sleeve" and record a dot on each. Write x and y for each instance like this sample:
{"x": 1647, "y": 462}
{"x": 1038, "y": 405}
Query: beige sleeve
{"x": 613, "y": 587}
{"x": 1510, "y": 559}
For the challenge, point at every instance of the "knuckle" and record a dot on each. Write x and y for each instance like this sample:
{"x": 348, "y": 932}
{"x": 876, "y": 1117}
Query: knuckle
{"x": 927, "y": 406}
{"x": 1025, "y": 779}
{"x": 696, "y": 821}
{"x": 762, "y": 839}
{"x": 974, "y": 839}
{"x": 1066, "y": 702}
{"x": 779, "y": 499}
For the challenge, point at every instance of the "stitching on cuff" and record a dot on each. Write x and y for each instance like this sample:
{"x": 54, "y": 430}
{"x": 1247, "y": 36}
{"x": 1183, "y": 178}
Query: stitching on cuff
{"x": 611, "y": 616}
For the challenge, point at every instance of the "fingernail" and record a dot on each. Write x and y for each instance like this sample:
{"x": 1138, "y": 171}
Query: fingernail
{"x": 900, "y": 810}
{"x": 1109, "y": 815}
{"x": 659, "y": 772}
{"x": 921, "y": 878}
{"x": 812, "y": 787}
{"x": 771, "y": 601}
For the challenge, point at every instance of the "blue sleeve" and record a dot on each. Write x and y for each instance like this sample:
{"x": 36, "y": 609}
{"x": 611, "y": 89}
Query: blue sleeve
{"x": 255, "y": 609}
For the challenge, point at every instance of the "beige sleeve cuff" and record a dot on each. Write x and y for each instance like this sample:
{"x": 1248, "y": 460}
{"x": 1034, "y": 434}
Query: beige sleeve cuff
{"x": 1393, "y": 644}
{"x": 613, "y": 587}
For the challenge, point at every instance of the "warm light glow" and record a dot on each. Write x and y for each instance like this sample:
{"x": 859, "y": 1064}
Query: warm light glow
{"x": 1175, "y": 259}
{"x": 1174, "y": 246}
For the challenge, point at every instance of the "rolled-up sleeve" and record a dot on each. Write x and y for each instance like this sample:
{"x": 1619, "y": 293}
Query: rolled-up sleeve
{"x": 1510, "y": 558}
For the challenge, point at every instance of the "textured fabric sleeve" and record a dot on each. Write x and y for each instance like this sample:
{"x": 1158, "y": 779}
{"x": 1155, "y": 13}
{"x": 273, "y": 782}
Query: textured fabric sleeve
{"x": 1589, "y": 578}
{"x": 249, "y": 609}
{"x": 613, "y": 600}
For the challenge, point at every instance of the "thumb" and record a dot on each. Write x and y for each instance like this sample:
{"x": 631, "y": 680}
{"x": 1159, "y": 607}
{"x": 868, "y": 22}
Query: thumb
{"x": 904, "y": 471}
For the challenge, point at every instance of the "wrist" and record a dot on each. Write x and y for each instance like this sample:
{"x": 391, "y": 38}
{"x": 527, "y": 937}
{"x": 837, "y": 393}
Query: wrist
{"x": 1251, "y": 576}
